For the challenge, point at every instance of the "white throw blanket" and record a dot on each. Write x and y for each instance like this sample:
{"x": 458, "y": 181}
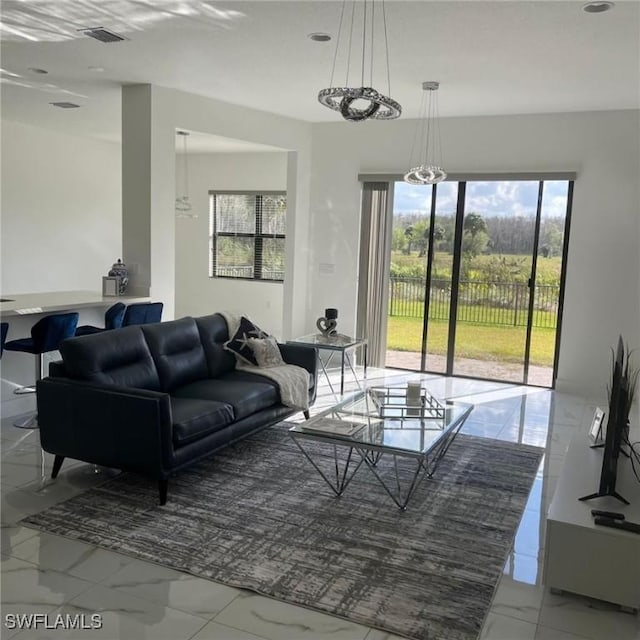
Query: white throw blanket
{"x": 292, "y": 381}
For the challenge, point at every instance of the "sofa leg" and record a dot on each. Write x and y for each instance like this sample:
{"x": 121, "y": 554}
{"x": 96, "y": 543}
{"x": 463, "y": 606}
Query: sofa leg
{"x": 306, "y": 414}
{"x": 57, "y": 463}
{"x": 163, "y": 486}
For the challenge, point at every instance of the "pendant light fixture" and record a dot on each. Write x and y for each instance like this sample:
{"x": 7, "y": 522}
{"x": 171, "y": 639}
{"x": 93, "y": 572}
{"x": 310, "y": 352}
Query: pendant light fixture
{"x": 380, "y": 106}
{"x": 183, "y": 204}
{"x": 429, "y": 159}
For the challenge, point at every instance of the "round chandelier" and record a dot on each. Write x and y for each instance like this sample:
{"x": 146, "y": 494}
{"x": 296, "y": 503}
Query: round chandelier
{"x": 429, "y": 170}
{"x": 377, "y": 105}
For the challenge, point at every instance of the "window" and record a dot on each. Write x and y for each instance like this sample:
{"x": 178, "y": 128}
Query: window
{"x": 246, "y": 235}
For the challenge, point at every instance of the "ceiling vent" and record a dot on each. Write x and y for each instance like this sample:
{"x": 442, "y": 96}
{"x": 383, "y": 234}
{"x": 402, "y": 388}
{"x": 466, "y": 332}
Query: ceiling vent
{"x": 65, "y": 105}
{"x": 102, "y": 34}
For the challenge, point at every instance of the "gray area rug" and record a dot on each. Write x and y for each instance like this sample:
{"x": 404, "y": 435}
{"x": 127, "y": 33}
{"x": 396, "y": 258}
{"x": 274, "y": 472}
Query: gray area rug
{"x": 258, "y": 516}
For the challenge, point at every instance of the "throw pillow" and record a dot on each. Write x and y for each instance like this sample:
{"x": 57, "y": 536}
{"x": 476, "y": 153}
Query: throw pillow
{"x": 239, "y": 343}
{"x": 266, "y": 352}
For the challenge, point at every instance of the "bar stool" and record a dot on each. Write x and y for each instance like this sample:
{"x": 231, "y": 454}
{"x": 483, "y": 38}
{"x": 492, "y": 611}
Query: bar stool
{"x": 142, "y": 313}
{"x": 46, "y": 335}
{"x": 113, "y": 317}
{"x": 4, "y": 327}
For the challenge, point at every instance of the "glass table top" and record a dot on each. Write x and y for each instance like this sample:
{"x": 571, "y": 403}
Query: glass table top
{"x": 339, "y": 341}
{"x": 380, "y": 418}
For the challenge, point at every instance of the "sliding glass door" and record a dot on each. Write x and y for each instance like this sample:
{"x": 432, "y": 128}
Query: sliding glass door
{"x": 437, "y": 329}
{"x": 493, "y": 292}
{"x": 476, "y": 278}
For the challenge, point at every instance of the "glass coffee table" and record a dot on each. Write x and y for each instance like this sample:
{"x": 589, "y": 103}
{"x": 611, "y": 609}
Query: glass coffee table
{"x": 376, "y": 422}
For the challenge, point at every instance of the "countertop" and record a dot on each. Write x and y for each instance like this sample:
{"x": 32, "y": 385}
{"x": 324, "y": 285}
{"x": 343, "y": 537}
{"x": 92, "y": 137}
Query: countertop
{"x": 32, "y": 303}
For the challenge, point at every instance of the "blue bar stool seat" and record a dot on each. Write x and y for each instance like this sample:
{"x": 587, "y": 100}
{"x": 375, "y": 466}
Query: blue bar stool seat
{"x": 113, "y": 317}
{"x": 4, "y": 327}
{"x": 46, "y": 335}
{"x": 142, "y": 313}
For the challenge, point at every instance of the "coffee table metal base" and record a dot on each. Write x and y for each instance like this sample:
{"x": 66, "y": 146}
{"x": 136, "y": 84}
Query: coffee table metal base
{"x": 397, "y": 492}
{"x": 341, "y": 477}
{"x": 345, "y": 469}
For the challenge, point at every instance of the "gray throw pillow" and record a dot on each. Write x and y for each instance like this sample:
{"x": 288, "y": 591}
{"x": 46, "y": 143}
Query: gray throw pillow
{"x": 266, "y": 352}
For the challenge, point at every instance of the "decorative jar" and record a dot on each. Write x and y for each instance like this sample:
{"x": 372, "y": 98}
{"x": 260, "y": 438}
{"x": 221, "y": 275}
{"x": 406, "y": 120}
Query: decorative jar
{"x": 119, "y": 270}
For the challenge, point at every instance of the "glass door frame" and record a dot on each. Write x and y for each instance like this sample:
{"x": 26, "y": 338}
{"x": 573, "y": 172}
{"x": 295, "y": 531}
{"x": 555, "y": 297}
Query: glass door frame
{"x": 462, "y": 181}
{"x": 428, "y": 270}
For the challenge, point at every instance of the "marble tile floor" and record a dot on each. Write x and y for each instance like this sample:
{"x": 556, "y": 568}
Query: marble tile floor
{"x": 48, "y": 574}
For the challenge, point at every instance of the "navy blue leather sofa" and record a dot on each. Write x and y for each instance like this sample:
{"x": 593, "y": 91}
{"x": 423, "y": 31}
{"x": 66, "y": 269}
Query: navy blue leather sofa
{"x": 155, "y": 398}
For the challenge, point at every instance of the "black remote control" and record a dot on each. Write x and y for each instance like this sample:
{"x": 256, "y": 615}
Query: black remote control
{"x": 617, "y": 524}
{"x": 607, "y": 514}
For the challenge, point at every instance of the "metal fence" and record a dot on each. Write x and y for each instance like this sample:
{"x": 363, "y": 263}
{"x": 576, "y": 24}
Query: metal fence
{"x": 496, "y": 303}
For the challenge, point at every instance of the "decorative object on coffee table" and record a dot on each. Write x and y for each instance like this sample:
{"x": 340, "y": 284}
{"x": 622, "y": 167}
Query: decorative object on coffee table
{"x": 396, "y": 403}
{"x": 414, "y": 392}
{"x": 327, "y": 324}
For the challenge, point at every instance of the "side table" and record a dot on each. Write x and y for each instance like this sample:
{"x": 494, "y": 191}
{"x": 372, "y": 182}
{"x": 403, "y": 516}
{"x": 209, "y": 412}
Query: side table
{"x": 336, "y": 344}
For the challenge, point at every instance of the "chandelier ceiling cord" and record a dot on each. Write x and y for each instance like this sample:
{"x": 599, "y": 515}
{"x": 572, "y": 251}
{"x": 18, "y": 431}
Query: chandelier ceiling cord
{"x": 429, "y": 168}
{"x": 380, "y": 107}
{"x": 183, "y": 204}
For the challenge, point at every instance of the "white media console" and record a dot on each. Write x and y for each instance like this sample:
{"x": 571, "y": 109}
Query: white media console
{"x": 584, "y": 558}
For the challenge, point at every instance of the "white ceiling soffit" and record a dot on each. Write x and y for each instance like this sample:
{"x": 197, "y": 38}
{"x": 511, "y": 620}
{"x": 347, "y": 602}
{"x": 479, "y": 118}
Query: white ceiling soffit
{"x": 491, "y": 58}
{"x": 206, "y": 143}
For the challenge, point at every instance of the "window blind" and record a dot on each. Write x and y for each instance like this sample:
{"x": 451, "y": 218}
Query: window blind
{"x": 247, "y": 235}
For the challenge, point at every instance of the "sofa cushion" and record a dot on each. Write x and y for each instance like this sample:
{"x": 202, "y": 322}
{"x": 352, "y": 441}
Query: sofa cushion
{"x": 213, "y": 335}
{"x": 193, "y": 419}
{"x": 119, "y": 357}
{"x": 177, "y": 351}
{"x": 239, "y": 342}
{"x": 246, "y": 396}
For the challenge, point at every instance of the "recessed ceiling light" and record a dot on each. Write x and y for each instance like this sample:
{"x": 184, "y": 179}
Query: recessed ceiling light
{"x": 37, "y": 70}
{"x": 320, "y": 37}
{"x": 598, "y": 7}
{"x": 96, "y": 69}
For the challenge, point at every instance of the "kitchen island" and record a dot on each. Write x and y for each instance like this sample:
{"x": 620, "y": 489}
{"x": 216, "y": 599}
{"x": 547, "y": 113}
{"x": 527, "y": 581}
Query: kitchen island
{"x": 22, "y": 311}
{"x": 58, "y": 302}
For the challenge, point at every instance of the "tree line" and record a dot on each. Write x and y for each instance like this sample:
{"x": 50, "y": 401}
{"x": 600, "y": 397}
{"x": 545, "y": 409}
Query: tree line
{"x": 481, "y": 234}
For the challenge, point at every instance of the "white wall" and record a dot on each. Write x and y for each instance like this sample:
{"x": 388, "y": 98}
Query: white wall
{"x": 61, "y": 203}
{"x": 165, "y": 110}
{"x": 602, "y": 295}
{"x": 196, "y": 293}
{"x": 61, "y": 210}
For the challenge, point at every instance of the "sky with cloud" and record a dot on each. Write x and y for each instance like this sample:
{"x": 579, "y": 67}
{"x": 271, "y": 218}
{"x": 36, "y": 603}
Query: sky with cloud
{"x": 507, "y": 198}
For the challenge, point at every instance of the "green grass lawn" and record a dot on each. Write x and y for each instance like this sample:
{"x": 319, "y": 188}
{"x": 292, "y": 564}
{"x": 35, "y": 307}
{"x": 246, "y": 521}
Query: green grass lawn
{"x": 481, "y": 342}
{"x": 491, "y": 316}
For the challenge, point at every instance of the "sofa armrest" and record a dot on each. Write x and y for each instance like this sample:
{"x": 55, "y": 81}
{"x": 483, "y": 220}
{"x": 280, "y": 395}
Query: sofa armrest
{"x": 301, "y": 355}
{"x": 113, "y": 426}
{"x": 57, "y": 369}
{"x": 305, "y": 357}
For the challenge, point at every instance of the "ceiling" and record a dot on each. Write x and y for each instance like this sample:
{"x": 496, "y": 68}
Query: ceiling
{"x": 491, "y": 58}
